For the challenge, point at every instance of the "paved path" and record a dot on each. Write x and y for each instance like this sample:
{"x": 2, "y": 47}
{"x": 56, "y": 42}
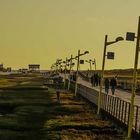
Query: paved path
{"x": 126, "y": 96}
{"x": 114, "y": 106}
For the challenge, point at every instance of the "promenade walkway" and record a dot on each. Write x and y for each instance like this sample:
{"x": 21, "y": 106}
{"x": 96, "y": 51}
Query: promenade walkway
{"x": 117, "y": 105}
{"x": 126, "y": 96}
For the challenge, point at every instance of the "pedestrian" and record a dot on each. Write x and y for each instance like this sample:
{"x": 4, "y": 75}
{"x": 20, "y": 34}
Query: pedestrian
{"x": 74, "y": 76}
{"x": 106, "y": 83}
{"x": 99, "y": 79}
{"x": 96, "y": 79}
{"x": 92, "y": 80}
{"x": 113, "y": 84}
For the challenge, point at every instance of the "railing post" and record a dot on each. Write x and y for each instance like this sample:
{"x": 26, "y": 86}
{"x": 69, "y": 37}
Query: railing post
{"x": 128, "y": 113}
{"x": 106, "y": 101}
{"x": 110, "y": 104}
{"x": 122, "y": 111}
{"x": 114, "y": 106}
{"x": 120, "y": 102}
{"x": 125, "y": 112}
{"x": 136, "y": 118}
{"x": 117, "y": 107}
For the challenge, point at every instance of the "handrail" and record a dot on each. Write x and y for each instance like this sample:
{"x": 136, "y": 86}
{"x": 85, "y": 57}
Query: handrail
{"x": 116, "y": 107}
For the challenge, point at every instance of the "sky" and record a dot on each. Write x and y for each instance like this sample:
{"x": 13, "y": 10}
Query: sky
{"x": 41, "y": 31}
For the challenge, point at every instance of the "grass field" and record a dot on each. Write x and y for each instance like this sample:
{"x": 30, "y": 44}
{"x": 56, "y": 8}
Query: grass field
{"x": 30, "y": 111}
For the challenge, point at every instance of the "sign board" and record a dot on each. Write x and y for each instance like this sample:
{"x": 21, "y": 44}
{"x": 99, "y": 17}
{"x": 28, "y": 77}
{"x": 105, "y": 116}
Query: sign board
{"x": 81, "y": 61}
{"x": 130, "y": 36}
{"x": 110, "y": 55}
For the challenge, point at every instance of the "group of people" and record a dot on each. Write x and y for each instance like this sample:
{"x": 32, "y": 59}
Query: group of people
{"x": 112, "y": 83}
{"x": 95, "y": 79}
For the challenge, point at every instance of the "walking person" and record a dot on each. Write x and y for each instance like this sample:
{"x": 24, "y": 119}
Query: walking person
{"x": 99, "y": 79}
{"x": 113, "y": 84}
{"x": 92, "y": 80}
{"x": 96, "y": 79}
{"x": 106, "y": 83}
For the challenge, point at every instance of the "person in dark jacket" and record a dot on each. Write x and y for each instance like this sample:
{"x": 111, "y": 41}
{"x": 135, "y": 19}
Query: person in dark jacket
{"x": 113, "y": 84}
{"x": 96, "y": 79}
{"x": 92, "y": 81}
{"x": 106, "y": 83}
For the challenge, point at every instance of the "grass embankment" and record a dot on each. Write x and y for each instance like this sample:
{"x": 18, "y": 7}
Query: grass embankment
{"x": 29, "y": 111}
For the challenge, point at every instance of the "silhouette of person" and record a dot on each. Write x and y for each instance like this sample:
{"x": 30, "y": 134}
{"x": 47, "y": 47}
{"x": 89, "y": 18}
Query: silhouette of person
{"x": 113, "y": 84}
{"x": 106, "y": 83}
{"x": 99, "y": 79}
{"x": 92, "y": 80}
{"x": 96, "y": 79}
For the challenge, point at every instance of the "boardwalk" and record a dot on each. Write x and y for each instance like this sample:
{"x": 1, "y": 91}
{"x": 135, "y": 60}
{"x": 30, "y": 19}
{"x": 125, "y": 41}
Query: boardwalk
{"x": 126, "y": 96}
{"x": 117, "y": 105}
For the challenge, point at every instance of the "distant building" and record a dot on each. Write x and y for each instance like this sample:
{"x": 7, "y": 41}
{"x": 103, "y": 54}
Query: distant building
{"x": 34, "y": 67}
{"x": 24, "y": 70}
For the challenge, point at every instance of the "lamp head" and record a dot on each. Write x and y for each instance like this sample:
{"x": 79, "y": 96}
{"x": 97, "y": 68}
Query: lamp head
{"x": 58, "y": 60}
{"x": 86, "y": 52}
{"x": 119, "y": 38}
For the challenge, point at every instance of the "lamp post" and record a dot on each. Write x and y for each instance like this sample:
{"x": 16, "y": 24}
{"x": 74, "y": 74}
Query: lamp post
{"x": 103, "y": 65}
{"x": 70, "y": 65}
{"x": 78, "y": 63}
{"x": 94, "y": 63}
{"x": 57, "y": 63}
{"x": 90, "y": 64}
{"x": 131, "y": 37}
{"x": 65, "y": 71}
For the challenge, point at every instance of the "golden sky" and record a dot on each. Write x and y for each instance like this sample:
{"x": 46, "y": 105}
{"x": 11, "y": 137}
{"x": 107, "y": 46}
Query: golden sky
{"x": 40, "y": 31}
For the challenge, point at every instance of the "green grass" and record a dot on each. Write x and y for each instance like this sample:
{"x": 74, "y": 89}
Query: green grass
{"x": 29, "y": 111}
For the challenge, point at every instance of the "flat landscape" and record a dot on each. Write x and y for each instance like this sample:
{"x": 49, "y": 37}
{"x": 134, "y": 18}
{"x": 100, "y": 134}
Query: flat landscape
{"x": 30, "y": 110}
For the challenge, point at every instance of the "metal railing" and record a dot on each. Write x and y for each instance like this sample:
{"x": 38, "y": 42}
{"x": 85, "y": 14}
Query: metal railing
{"x": 116, "y": 107}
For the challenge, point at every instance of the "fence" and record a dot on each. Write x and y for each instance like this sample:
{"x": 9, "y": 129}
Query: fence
{"x": 115, "y": 106}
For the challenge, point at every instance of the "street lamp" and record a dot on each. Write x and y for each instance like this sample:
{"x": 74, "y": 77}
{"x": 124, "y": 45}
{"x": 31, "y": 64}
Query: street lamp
{"x": 78, "y": 63}
{"x": 90, "y": 64}
{"x": 103, "y": 65}
{"x": 70, "y": 66}
{"x": 57, "y": 63}
{"x": 131, "y": 37}
{"x": 65, "y": 71}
